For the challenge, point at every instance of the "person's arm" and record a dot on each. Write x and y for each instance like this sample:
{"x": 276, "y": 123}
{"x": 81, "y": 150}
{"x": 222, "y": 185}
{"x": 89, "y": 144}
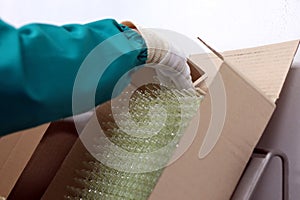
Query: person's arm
{"x": 39, "y": 64}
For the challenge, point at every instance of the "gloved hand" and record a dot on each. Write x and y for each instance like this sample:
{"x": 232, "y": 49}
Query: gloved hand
{"x": 171, "y": 64}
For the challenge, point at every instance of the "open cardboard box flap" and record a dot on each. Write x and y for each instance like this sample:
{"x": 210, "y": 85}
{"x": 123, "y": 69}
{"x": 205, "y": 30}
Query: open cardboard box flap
{"x": 211, "y": 167}
{"x": 264, "y": 67}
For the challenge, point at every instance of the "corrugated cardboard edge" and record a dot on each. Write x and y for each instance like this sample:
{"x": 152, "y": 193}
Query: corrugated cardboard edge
{"x": 272, "y": 82}
{"x": 15, "y": 151}
{"x": 266, "y": 75}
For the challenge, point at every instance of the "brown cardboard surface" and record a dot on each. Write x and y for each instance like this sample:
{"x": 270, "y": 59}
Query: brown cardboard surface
{"x": 65, "y": 176}
{"x": 15, "y": 151}
{"x": 74, "y": 161}
{"x": 250, "y": 103}
{"x": 192, "y": 178}
{"x": 265, "y": 66}
{"x": 270, "y": 61}
{"x": 45, "y": 161}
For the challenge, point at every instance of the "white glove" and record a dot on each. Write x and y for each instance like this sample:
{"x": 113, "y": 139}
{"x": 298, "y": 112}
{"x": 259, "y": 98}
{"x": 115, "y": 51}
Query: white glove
{"x": 171, "y": 68}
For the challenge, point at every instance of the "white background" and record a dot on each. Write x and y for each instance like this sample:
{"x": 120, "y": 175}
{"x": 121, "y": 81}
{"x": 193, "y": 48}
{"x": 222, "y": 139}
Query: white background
{"x": 224, "y": 24}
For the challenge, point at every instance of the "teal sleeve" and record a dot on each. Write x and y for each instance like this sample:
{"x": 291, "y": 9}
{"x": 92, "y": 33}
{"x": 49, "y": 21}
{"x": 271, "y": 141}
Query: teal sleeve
{"x": 39, "y": 64}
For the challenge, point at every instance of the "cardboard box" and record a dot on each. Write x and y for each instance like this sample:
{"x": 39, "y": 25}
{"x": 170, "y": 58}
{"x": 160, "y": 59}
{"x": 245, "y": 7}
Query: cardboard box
{"x": 253, "y": 79}
{"x": 211, "y": 167}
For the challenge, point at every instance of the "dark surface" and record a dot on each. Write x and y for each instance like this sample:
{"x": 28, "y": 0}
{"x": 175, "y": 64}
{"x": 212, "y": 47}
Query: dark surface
{"x": 46, "y": 160}
{"x": 283, "y": 133}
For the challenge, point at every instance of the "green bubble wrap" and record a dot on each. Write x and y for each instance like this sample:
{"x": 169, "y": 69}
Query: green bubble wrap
{"x": 142, "y": 142}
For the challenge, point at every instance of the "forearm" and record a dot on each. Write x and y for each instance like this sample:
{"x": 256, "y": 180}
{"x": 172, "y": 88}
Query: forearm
{"x": 39, "y": 64}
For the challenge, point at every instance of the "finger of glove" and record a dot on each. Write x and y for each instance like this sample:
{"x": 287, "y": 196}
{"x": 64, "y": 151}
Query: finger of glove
{"x": 182, "y": 80}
